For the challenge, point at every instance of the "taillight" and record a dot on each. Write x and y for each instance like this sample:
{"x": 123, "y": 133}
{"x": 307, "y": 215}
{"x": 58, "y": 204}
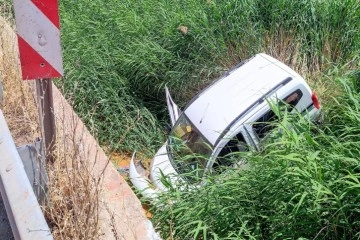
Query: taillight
{"x": 315, "y": 100}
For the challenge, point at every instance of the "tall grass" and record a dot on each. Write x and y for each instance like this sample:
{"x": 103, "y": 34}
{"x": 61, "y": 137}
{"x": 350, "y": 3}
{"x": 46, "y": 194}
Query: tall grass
{"x": 119, "y": 55}
{"x": 303, "y": 185}
{"x": 321, "y": 27}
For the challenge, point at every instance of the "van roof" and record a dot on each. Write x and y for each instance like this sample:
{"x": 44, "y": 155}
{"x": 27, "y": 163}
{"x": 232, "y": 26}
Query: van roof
{"x": 215, "y": 108}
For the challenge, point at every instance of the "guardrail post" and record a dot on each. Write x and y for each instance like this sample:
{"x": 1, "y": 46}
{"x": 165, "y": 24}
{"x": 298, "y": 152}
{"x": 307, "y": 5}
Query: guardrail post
{"x": 46, "y": 116}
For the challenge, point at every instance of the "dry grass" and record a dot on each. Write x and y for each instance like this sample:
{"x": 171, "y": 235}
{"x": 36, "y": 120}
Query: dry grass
{"x": 19, "y": 105}
{"x": 73, "y": 202}
{"x": 73, "y": 208}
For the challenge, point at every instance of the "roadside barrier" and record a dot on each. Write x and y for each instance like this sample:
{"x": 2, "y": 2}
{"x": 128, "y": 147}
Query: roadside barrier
{"x": 25, "y": 216}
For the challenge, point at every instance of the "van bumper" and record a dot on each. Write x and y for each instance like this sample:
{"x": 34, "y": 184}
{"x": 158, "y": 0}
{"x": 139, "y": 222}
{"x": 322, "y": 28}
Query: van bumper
{"x": 140, "y": 181}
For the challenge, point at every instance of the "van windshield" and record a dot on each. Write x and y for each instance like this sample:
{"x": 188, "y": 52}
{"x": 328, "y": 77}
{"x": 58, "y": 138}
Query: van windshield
{"x": 188, "y": 150}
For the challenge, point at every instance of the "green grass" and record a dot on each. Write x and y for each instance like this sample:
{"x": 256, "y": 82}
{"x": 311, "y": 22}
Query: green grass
{"x": 119, "y": 55}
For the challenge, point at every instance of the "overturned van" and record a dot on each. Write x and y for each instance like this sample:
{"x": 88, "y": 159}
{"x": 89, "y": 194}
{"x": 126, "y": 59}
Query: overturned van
{"x": 230, "y": 115}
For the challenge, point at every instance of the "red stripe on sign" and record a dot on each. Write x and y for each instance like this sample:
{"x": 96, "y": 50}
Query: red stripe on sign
{"x": 50, "y": 9}
{"x": 33, "y": 65}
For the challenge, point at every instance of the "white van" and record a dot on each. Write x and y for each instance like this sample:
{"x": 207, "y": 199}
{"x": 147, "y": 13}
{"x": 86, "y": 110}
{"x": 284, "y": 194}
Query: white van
{"x": 230, "y": 115}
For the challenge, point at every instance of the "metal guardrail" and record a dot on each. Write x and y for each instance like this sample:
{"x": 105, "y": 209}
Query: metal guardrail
{"x": 33, "y": 158}
{"x": 25, "y": 216}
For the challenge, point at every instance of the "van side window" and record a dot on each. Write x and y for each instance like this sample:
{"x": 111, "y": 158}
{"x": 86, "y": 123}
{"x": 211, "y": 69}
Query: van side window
{"x": 263, "y": 125}
{"x": 225, "y": 158}
{"x": 293, "y": 98}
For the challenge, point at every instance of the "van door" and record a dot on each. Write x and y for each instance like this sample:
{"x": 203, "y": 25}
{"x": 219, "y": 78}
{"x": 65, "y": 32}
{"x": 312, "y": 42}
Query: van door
{"x": 174, "y": 110}
{"x": 225, "y": 153}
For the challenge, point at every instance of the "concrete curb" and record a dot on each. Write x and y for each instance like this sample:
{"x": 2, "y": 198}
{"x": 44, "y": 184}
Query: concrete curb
{"x": 121, "y": 213}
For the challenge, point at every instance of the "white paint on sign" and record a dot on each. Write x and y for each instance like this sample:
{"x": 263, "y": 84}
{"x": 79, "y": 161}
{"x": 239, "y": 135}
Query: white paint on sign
{"x": 39, "y": 32}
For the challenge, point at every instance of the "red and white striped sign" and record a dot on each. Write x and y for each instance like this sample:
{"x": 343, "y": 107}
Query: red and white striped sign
{"x": 38, "y": 31}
